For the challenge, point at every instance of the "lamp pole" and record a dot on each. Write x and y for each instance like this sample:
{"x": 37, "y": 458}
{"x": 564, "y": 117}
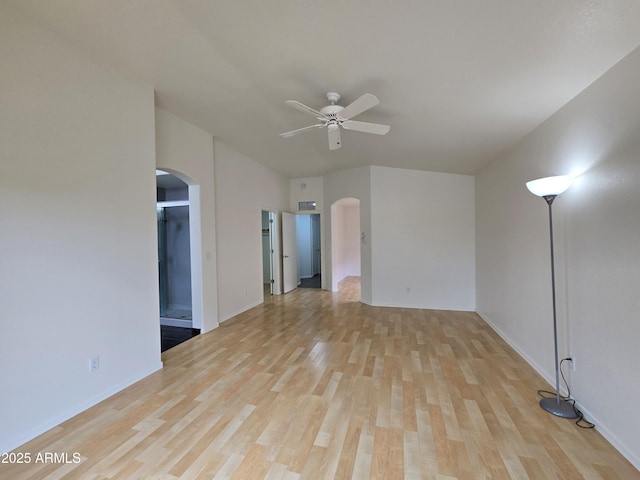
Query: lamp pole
{"x": 549, "y": 188}
{"x": 557, "y": 406}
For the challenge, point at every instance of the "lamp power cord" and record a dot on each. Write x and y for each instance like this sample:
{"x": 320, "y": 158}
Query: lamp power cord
{"x": 581, "y": 422}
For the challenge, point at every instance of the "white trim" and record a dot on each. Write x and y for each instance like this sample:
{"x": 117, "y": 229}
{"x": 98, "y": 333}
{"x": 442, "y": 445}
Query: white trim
{"x": 238, "y": 311}
{"x": 550, "y": 379}
{"x": 195, "y": 250}
{"x": 611, "y": 437}
{"x": 173, "y": 203}
{"x": 277, "y": 247}
{"x": 448, "y": 308}
{"x": 12, "y": 444}
{"x": 600, "y": 427}
{"x": 176, "y": 322}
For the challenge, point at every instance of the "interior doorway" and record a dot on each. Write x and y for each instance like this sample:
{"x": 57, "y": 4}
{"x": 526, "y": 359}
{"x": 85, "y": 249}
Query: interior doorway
{"x": 174, "y": 255}
{"x": 302, "y": 247}
{"x": 308, "y": 239}
{"x": 345, "y": 241}
{"x": 269, "y": 253}
{"x": 174, "y": 265}
{"x": 177, "y": 221}
{"x": 290, "y": 278}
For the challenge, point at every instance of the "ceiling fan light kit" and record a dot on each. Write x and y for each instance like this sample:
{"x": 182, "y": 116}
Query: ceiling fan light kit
{"x": 334, "y": 116}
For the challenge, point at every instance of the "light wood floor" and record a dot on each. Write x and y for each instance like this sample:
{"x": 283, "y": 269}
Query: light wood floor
{"x": 315, "y": 385}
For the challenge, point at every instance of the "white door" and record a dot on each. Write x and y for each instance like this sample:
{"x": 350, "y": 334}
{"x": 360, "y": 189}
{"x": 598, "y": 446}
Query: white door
{"x": 289, "y": 252}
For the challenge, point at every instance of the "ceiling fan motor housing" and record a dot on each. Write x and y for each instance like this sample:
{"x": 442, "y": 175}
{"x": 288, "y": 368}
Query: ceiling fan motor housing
{"x": 331, "y": 110}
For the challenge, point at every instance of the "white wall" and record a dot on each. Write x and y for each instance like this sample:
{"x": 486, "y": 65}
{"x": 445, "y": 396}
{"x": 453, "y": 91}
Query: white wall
{"x": 306, "y": 190}
{"x": 597, "y": 250}
{"x": 243, "y": 189}
{"x": 423, "y": 239}
{"x": 78, "y": 261}
{"x": 350, "y": 183}
{"x": 187, "y": 151}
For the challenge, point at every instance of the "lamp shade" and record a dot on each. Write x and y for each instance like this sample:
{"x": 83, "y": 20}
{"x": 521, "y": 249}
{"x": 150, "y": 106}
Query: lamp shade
{"x": 550, "y": 185}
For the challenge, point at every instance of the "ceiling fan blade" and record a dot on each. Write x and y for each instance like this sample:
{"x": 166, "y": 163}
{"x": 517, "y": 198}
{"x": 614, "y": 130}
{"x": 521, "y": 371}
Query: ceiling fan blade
{"x": 366, "y": 127}
{"x": 365, "y": 102}
{"x": 305, "y": 109}
{"x": 334, "y": 138}
{"x": 295, "y": 132}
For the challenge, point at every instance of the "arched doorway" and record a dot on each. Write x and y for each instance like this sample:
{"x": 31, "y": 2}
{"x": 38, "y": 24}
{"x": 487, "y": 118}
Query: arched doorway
{"x": 345, "y": 240}
{"x": 180, "y": 282}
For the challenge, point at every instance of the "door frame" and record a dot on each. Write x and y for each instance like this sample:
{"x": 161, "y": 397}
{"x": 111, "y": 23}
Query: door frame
{"x": 195, "y": 245}
{"x": 164, "y": 319}
{"x": 317, "y": 214}
{"x": 289, "y": 250}
{"x": 335, "y": 244}
{"x": 274, "y": 255}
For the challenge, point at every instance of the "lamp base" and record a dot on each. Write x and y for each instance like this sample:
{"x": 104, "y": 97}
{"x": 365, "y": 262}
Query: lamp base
{"x": 560, "y": 408}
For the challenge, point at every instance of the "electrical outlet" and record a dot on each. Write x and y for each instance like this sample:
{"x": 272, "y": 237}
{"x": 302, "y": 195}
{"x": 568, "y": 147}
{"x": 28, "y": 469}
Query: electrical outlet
{"x": 94, "y": 363}
{"x": 573, "y": 364}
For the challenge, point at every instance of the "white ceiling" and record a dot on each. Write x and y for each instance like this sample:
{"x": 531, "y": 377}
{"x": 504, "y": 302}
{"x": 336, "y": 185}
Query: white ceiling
{"x": 459, "y": 81}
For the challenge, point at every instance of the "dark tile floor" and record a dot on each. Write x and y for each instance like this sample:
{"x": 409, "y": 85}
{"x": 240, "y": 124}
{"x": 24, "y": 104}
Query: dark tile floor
{"x": 313, "y": 282}
{"x": 172, "y": 336}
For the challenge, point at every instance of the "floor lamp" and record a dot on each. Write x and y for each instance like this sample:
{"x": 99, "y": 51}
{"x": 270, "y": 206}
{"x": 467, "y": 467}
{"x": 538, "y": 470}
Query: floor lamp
{"x": 549, "y": 188}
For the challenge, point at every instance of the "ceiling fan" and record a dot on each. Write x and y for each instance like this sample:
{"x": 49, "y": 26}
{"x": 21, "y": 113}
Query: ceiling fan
{"x": 335, "y": 116}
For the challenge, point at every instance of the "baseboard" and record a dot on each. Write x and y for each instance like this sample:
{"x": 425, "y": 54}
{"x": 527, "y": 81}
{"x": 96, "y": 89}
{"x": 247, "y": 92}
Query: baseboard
{"x": 238, "y": 312}
{"x": 610, "y": 437}
{"x": 176, "y": 322}
{"x": 12, "y": 444}
{"x": 550, "y": 379}
{"x": 447, "y": 308}
{"x": 213, "y": 327}
{"x": 179, "y": 306}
